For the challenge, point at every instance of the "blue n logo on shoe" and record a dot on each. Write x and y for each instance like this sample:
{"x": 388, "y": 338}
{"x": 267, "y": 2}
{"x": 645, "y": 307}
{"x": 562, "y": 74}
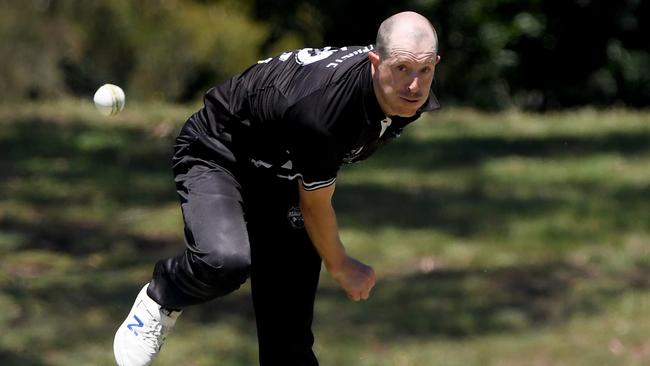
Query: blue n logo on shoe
{"x": 139, "y": 324}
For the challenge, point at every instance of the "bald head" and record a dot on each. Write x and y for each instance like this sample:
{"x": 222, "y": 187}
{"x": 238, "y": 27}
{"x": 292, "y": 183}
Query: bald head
{"x": 403, "y": 30}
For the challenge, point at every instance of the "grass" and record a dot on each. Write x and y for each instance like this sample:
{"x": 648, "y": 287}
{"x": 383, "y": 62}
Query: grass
{"x": 499, "y": 239}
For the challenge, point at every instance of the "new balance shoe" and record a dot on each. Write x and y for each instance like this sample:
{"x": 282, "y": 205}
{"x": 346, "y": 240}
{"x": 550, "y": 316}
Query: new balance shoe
{"x": 141, "y": 336}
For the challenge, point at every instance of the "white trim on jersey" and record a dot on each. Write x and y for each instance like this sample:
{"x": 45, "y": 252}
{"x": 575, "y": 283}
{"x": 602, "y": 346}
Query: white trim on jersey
{"x": 309, "y": 186}
{"x": 317, "y": 185}
{"x": 288, "y": 165}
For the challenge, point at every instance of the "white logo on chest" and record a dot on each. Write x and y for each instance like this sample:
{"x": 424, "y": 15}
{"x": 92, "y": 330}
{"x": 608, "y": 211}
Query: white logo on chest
{"x": 385, "y": 123}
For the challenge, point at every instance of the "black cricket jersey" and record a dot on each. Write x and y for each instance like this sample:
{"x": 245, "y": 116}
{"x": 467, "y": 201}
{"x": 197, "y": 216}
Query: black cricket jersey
{"x": 301, "y": 114}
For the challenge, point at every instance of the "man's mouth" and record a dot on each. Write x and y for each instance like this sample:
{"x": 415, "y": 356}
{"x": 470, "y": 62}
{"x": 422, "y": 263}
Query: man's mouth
{"x": 410, "y": 100}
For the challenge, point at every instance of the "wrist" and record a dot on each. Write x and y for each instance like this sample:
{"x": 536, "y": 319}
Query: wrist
{"x": 335, "y": 264}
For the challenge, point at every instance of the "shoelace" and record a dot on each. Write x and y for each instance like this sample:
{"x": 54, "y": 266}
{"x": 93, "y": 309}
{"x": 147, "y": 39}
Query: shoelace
{"x": 155, "y": 336}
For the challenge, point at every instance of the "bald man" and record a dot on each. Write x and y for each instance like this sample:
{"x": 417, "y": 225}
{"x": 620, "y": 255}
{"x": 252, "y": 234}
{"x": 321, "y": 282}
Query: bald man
{"x": 255, "y": 170}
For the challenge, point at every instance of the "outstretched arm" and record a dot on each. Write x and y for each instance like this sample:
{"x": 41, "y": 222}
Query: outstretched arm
{"x": 356, "y": 278}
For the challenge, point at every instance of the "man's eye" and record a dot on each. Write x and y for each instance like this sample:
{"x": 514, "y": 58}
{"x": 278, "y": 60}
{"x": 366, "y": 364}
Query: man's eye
{"x": 401, "y": 68}
{"x": 426, "y": 70}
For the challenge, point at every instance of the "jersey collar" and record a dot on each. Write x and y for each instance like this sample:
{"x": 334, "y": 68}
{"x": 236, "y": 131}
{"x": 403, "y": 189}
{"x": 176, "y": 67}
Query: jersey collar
{"x": 432, "y": 102}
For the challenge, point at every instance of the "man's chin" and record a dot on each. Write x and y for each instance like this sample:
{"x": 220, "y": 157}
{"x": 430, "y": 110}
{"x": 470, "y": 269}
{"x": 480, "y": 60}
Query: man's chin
{"x": 406, "y": 112}
{"x": 407, "y": 109}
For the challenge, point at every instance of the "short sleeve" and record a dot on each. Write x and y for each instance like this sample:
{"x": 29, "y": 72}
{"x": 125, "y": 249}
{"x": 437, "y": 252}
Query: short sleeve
{"x": 314, "y": 158}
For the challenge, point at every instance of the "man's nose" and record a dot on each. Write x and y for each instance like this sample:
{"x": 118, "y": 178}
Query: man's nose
{"x": 414, "y": 85}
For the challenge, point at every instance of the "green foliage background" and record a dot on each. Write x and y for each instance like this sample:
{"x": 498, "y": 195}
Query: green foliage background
{"x": 496, "y": 53}
{"x": 155, "y": 49}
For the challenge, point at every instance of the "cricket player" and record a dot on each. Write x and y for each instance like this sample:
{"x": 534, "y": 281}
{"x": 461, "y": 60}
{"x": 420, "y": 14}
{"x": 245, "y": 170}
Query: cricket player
{"x": 255, "y": 169}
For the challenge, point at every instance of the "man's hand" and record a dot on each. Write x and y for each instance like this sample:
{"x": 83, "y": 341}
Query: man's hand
{"x": 356, "y": 278}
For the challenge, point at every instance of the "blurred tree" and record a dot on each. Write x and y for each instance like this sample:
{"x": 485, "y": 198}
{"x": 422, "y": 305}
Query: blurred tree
{"x": 534, "y": 54}
{"x": 29, "y": 66}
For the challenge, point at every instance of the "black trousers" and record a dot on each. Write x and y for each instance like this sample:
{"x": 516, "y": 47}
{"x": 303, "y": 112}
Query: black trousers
{"x": 238, "y": 225}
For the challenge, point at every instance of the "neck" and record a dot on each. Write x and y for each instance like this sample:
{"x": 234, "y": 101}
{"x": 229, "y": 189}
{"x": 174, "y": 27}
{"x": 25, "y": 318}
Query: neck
{"x": 377, "y": 91}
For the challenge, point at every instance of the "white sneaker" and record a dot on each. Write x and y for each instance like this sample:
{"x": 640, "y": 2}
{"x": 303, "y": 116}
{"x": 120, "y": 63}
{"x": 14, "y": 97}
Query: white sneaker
{"x": 139, "y": 339}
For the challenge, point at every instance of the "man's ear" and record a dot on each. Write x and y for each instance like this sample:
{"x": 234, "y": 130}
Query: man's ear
{"x": 374, "y": 59}
{"x": 437, "y": 59}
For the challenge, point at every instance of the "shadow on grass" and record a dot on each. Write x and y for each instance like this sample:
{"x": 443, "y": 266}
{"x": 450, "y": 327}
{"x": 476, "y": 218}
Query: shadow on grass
{"x": 468, "y": 303}
{"x": 474, "y": 213}
{"x": 24, "y": 358}
{"x": 79, "y": 238}
{"x": 463, "y": 213}
{"x": 468, "y": 151}
{"x": 125, "y": 165}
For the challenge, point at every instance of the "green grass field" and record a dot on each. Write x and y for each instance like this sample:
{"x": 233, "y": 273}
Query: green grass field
{"x": 498, "y": 239}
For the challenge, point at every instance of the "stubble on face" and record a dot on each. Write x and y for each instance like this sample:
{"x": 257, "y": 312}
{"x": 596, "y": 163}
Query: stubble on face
{"x": 406, "y": 77}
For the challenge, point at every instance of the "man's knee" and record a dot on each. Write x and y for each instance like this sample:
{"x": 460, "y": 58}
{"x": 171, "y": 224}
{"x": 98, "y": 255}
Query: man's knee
{"x": 235, "y": 266}
{"x": 230, "y": 269}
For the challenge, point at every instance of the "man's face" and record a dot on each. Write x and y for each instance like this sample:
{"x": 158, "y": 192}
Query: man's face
{"x": 402, "y": 80}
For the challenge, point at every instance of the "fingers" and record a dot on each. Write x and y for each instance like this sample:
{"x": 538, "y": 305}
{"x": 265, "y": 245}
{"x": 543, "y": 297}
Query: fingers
{"x": 357, "y": 297}
{"x": 360, "y": 295}
{"x": 363, "y": 293}
{"x": 354, "y": 297}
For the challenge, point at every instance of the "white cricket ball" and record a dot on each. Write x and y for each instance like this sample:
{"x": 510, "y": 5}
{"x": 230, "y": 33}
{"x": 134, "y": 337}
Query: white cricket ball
{"x": 109, "y": 99}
